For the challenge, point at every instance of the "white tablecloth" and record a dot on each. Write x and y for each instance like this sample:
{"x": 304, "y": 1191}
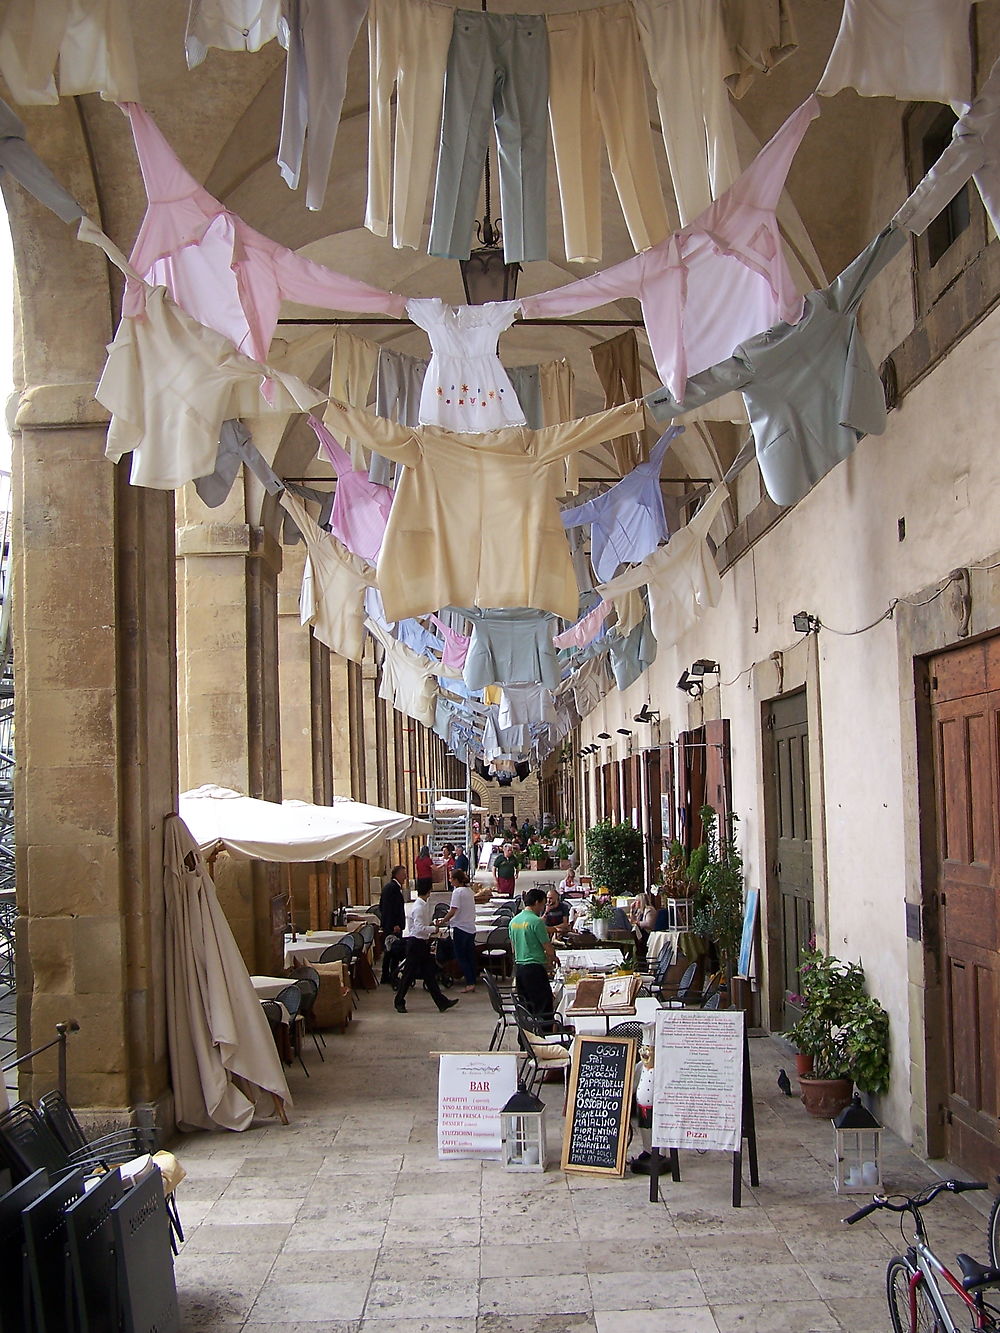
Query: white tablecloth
{"x": 588, "y": 960}
{"x": 309, "y": 948}
{"x": 657, "y": 940}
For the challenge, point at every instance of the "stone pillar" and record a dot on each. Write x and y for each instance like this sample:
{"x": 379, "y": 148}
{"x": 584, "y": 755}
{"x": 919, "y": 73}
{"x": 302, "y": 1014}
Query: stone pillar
{"x": 95, "y": 706}
{"x": 228, "y": 694}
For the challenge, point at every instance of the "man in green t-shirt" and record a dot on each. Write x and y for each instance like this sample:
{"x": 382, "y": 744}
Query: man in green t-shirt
{"x": 533, "y": 955}
{"x": 505, "y": 869}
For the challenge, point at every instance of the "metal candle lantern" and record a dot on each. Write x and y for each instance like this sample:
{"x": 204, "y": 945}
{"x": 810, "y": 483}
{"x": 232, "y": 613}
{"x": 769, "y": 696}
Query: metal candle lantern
{"x": 858, "y": 1146}
{"x": 522, "y": 1133}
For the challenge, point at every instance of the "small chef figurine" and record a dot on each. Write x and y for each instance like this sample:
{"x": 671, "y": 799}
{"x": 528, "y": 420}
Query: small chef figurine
{"x": 644, "y": 1110}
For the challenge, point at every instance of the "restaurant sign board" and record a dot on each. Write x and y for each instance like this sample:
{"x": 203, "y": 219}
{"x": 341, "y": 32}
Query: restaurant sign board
{"x": 472, "y": 1091}
{"x": 698, "y": 1088}
{"x": 596, "y": 1131}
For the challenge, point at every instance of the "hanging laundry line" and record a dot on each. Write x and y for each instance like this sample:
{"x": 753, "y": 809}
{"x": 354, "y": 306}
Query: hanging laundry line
{"x": 520, "y": 323}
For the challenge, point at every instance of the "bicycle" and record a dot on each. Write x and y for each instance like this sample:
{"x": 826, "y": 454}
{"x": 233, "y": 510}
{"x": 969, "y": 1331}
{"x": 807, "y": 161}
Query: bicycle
{"x": 914, "y": 1280}
{"x": 993, "y": 1231}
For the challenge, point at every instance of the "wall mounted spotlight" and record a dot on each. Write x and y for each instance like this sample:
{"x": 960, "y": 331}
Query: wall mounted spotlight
{"x": 690, "y": 685}
{"x": 704, "y": 667}
{"x": 805, "y": 623}
{"x": 604, "y": 735}
{"x": 646, "y": 714}
{"x": 624, "y": 731}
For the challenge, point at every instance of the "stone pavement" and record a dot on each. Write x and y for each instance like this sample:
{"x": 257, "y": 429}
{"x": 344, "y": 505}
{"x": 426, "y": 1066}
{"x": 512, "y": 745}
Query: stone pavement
{"x": 346, "y": 1222}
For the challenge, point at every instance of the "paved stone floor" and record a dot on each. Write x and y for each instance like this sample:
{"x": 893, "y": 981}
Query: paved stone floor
{"x": 346, "y": 1222}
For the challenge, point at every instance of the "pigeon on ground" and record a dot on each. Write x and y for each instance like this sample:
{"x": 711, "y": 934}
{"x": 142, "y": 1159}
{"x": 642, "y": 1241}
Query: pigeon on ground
{"x": 783, "y": 1083}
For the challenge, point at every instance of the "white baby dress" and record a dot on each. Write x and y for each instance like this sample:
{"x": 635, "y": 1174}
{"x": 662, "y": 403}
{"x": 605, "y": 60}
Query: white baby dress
{"x": 466, "y": 388}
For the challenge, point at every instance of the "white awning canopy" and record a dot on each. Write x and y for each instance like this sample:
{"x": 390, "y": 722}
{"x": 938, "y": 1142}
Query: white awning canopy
{"x": 293, "y": 831}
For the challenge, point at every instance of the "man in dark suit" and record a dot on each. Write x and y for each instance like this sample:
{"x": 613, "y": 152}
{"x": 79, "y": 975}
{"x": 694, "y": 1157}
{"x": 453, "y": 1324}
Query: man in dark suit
{"x": 393, "y": 916}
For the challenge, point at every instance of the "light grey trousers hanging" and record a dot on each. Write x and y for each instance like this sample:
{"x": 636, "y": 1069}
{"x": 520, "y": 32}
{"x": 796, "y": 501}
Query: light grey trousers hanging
{"x": 498, "y": 67}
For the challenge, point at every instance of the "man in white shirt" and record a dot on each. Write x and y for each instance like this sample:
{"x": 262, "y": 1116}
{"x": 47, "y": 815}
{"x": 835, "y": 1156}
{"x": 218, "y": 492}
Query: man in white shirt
{"x": 419, "y": 964}
{"x": 461, "y": 916}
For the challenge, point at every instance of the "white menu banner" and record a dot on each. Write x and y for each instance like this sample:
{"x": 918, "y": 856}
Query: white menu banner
{"x": 698, "y": 1079}
{"x": 472, "y": 1091}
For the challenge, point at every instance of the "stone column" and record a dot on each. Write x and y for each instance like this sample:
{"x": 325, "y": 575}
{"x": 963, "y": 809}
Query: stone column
{"x": 95, "y": 706}
{"x": 228, "y": 694}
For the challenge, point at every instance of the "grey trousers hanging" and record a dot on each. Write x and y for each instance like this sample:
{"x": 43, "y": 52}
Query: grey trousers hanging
{"x": 498, "y": 67}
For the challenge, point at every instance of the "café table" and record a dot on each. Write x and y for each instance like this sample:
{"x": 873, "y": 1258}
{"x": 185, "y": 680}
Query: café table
{"x": 588, "y": 960}
{"x": 309, "y": 946}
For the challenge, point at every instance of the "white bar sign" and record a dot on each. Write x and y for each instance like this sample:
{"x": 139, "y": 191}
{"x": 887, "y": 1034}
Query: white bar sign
{"x": 698, "y": 1079}
{"x": 472, "y": 1091}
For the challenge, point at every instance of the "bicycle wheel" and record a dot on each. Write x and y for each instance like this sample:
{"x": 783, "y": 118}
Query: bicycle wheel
{"x": 993, "y": 1232}
{"x": 897, "y": 1293}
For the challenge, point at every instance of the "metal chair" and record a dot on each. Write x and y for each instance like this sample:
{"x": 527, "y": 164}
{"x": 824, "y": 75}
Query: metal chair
{"x": 543, "y": 1050}
{"x": 503, "y": 1007}
{"x": 93, "y": 1256}
{"x": 309, "y": 988}
{"x": 337, "y": 953}
{"x": 119, "y": 1146}
{"x": 15, "y": 1300}
{"x": 497, "y": 951}
{"x": 440, "y": 910}
{"x": 630, "y": 1029}
{"x": 46, "y": 1252}
{"x": 279, "y": 1030}
{"x": 307, "y": 973}
{"x": 676, "y": 996}
{"x": 291, "y": 998}
{"x": 27, "y": 1144}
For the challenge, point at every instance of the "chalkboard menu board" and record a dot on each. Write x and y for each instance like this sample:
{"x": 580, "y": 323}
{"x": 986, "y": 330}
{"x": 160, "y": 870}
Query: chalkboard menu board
{"x": 600, "y": 1100}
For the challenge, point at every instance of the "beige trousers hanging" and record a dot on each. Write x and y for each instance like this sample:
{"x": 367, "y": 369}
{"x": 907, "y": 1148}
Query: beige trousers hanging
{"x": 407, "y": 49}
{"x": 555, "y": 386}
{"x": 352, "y": 369}
{"x": 617, "y": 364}
{"x": 685, "y": 51}
{"x": 597, "y": 84}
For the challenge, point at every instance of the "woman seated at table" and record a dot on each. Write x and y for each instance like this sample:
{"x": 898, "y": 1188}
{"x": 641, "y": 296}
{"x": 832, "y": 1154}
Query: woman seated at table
{"x": 556, "y": 915}
{"x": 642, "y": 915}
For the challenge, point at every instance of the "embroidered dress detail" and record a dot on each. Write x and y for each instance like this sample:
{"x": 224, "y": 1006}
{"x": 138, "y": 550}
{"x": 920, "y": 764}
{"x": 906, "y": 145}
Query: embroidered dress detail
{"x": 466, "y": 388}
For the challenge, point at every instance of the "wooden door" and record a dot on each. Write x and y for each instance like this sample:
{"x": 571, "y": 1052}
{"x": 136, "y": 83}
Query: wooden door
{"x": 690, "y": 786}
{"x": 790, "y": 845}
{"x": 965, "y": 709}
{"x": 651, "y": 796}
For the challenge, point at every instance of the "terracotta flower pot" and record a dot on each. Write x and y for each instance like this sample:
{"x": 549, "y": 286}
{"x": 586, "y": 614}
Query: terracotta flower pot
{"x": 803, "y": 1064}
{"x": 825, "y": 1097}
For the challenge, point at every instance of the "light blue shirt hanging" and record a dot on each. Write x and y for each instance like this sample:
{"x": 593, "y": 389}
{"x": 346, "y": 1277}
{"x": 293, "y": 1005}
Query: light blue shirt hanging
{"x": 627, "y": 521}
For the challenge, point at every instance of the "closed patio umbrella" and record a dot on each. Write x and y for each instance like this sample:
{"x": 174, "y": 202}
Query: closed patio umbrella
{"x": 222, "y": 1055}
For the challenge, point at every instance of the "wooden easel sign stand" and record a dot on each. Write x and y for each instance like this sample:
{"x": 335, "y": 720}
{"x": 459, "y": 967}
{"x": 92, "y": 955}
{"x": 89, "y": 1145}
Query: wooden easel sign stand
{"x": 702, "y": 1095}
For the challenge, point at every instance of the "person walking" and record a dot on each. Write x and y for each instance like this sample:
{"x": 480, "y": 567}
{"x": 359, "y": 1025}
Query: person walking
{"x": 461, "y": 916}
{"x": 392, "y": 913}
{"x": 419, "y": 964}
{"x": 505, "y": 869}
{"x": 533, "y": 956}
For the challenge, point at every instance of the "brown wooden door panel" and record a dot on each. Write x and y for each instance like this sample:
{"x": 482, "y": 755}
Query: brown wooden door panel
{"x": 965, "y": 689}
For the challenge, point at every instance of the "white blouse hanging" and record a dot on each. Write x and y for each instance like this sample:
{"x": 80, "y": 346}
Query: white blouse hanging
{"x": 466, "y": 388}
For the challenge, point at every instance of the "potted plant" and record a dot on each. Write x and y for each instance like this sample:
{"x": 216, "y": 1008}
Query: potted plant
{"x": 600, "y": 910}
{"x": 718, "y": 913}
{"x": 679, "y": 879}
{"x": 537, "y": 857}
{"x": 562, "y": 851}
{"x": 615, "y": 858}
{"x": 843, "y": 1029}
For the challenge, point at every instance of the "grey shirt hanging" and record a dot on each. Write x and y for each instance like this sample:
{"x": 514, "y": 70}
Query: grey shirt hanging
{"x": 811, "y": 388}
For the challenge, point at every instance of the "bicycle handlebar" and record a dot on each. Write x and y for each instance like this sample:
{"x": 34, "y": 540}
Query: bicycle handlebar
{"x": 917, "y": 1201}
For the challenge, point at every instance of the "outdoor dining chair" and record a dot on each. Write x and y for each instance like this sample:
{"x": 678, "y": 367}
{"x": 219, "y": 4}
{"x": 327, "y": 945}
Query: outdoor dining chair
{"x": 291, "y": 998}
{"x": 631, "y": 1029}
{"x": 496, "y": 951}
{"x": 503, "y": 1006}
{"x": 543, "y": 1049}
{"x": 309, "y": 988}
{"x": 336, "y": 953}
{"x": 307, "y": 973}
